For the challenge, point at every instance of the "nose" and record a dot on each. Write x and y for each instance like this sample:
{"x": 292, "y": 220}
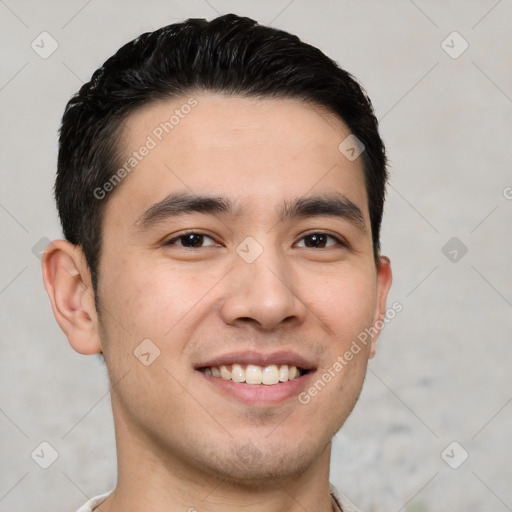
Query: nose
{"x": 262, "y": 294}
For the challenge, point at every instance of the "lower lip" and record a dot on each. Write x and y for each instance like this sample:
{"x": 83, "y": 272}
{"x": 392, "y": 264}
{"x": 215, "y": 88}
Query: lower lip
{"x": 260, "y": 394}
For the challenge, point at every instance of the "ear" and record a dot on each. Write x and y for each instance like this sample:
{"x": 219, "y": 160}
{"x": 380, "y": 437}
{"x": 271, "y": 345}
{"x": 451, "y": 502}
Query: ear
{"x": 67, "y": 280}
{"x": 384, "y": 279}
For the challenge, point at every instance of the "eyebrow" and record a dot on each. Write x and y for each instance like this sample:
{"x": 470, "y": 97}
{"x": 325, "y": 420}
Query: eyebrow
{"x": 334, "y": 205}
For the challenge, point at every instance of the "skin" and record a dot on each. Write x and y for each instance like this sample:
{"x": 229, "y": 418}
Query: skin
{"x": 179, "y": 439}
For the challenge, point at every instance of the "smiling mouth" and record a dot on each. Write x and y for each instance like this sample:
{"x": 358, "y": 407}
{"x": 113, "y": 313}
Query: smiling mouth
{"x": 253, "y": 374}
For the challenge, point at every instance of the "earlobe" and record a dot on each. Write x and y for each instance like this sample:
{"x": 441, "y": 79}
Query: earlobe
{"x": 66, "y": 278}
{"x": 384, "y": 279}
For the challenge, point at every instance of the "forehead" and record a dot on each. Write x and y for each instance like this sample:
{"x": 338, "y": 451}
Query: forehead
{"x": 255, "y": 151}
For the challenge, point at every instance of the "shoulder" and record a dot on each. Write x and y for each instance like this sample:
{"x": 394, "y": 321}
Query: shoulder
{"x": 343, "y": 503}
{"x": 94, "y": 502}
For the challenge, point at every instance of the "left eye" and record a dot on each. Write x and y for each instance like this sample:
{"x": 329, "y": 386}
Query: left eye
{"x": 192, "y": 240}
{"x": 318, "y": 241}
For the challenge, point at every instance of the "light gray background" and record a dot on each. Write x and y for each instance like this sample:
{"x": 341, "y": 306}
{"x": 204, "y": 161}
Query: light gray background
{"x": 443, "y": 369}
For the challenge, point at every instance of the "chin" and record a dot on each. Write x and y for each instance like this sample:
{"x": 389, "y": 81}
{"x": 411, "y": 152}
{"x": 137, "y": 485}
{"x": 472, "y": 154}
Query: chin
{"x": 249, "y": 466}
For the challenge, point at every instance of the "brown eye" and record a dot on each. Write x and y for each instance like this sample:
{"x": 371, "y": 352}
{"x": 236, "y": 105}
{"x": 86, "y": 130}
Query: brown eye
{"x": 319, "y": 241}
{"x": 192, "y": 240}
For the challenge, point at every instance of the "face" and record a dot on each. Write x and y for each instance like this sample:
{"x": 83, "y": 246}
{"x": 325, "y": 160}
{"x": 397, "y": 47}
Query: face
{"x": 240, "y": 244}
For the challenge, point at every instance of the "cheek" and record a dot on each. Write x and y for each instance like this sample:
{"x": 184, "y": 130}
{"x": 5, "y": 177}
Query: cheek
{"x": 151, "y": 299}
{"x": 344, "y": 301}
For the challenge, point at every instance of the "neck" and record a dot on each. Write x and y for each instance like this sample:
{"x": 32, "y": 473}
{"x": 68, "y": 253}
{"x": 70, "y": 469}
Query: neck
{"x": 151, "y": 478}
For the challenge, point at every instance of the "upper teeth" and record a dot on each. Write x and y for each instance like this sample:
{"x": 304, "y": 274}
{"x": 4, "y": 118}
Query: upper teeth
{"x": 254, "y": 374}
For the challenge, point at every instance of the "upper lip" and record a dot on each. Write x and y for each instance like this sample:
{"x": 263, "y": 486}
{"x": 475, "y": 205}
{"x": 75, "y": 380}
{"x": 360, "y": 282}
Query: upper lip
{"x": 258, "y": 358}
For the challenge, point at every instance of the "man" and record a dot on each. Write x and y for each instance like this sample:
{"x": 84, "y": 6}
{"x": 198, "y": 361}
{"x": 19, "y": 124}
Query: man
{"x": 220, "y": 186}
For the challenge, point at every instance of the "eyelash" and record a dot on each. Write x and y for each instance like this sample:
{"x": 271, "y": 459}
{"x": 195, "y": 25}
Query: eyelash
{"x": 340, "y": 242}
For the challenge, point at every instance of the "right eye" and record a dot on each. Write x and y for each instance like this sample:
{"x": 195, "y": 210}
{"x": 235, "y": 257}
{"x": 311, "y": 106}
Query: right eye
{"x": 192, "y": 240}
